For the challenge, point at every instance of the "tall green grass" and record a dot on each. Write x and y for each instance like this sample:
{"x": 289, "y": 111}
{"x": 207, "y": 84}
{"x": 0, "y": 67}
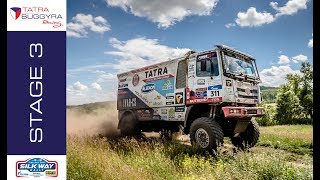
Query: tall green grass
{"x": 293, "y": 138}
{"x": 102, "y": 158}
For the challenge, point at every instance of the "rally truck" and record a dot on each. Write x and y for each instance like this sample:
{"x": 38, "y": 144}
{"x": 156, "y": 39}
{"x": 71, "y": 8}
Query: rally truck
{"x": 209, "y": 95}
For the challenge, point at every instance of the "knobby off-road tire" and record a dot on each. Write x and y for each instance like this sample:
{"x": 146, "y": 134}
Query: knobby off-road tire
{"x": 249, "y": 138}
{"x": 129, "y": 125}
{"x": 206, "y": 133}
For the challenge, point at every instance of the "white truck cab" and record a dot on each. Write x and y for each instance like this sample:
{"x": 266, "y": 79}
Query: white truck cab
{"x": 210, "y": 95}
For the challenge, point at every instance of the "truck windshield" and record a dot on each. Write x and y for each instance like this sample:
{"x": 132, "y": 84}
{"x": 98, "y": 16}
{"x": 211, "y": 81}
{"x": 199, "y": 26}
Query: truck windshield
{"x": 238, "y": 65}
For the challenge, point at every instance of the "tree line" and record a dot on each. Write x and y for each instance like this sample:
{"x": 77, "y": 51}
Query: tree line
{"x": 294, "y": 100}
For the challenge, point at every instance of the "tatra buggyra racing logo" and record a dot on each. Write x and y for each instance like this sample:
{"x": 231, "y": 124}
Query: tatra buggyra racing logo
{"x": 15, "y": 12}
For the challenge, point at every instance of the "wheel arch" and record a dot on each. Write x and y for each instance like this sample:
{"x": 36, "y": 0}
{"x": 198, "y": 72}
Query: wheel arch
{"x": 123, "y": 113}
{"x": 193, "y": 112}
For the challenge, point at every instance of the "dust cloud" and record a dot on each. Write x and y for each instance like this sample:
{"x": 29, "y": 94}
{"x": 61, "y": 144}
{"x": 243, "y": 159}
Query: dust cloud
{"x": 93, "y": 119}
{"x": 101, "y": 119}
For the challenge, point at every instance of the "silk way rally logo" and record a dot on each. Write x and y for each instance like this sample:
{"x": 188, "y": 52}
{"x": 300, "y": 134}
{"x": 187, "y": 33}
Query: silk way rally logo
{"x": 37, "y": 167}
{"x": 15, "y": 12}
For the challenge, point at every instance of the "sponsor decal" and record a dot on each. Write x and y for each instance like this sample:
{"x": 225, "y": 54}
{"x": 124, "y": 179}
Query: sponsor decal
{"x": 215, "y": 87}
{"x": 169, "y": 94}
{"x": 191, "y": 68}
{"x": 130, "y": 102}
{"x": 179, "y": 98}
{"x": 135, "y": 80}
{"x": 167, "y": 85}
{"x": 144, "y": 114}
{"x": 206, "y": 56}
{"x": 201, "y": 89}
{"x": 122, "y": 86}
{"x": 209, "y": 100}
{"x": 148, "y": 87}
{"x": 164, "y": 117}
{"x": 179, "y": 109}
{"x": 37, "y": 13}
{"x": 164, "y": 86}
{"x": 193, "y": 101}
{"x": 169, "y": 102}
{"x": 37, "y": 167}
{"x": 171, "y": 113}
{"x": 201, "y": 93}
{"x": 228, "y": 83}
{"x": 179, "y": 116}
{"x": 170, "y": 97}
{"x": 216, "y": 99}
{"x": 201, "y": 82}
{"x": 158, "y": 78}
{"x": 122, "y": 91}
{"x": 156, "y": 72}
{"x": 157, "y": 103}
{"x": 214, "y": 91}
{"x": 156, "y": 111}
{"x": 141, "y": 96}
{"x": 164, "y": 111}
{"x": 157, "y": 98}
{"x": 15, "y": 12}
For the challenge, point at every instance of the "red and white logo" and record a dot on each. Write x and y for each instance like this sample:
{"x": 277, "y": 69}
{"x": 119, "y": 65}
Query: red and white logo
{"x": 15, "y": 12}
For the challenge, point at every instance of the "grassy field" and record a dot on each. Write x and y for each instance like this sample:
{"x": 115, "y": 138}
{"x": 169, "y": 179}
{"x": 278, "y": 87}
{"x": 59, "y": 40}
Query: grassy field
{"x": 283, "y": 152}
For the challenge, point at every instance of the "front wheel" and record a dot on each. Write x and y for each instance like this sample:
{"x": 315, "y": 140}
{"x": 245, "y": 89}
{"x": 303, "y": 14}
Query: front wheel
{"x": 249, "y": 138}
{"x": 206, "y": 133}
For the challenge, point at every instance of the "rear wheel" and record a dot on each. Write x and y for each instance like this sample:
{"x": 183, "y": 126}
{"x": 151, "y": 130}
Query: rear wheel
{"x": 129, "y": 125}
{"x": 206, "y": 133}
{"x": 249, "y": 138}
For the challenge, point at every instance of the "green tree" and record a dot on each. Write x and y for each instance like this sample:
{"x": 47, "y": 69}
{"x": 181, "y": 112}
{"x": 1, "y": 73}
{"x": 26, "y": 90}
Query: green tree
{"x": 306, "y": 92}
{"x": 288, "y": 107}
{"x": 294, "y": 81}
{"x": 302, "y": 86}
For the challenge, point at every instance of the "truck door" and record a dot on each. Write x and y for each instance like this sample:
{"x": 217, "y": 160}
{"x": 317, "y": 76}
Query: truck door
{"x": 204, "y": 82}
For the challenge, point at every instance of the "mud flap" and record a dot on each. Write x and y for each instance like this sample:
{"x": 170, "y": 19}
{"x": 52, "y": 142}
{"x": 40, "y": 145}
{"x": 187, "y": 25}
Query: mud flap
{"x": 241, "y": 125}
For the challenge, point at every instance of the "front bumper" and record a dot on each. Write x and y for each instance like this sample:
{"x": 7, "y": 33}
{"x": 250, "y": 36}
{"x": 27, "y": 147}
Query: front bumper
{"x": 242, "y": 112}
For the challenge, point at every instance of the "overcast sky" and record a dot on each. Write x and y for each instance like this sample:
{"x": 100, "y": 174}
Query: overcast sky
{"x": 105, "y": 37}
